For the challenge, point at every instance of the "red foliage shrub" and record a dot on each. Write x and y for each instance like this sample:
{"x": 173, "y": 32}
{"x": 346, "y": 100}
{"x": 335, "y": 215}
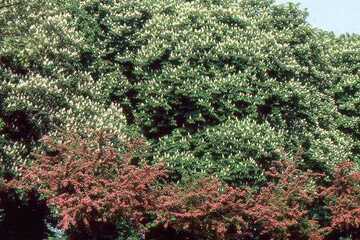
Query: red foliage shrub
{"x": 283, "y": 209}
{"x": 89, "y": 184}
{"x": 210, "y": 210}
{"x": 343, "y": 200}
{"x": 280, "y": 209}
{"x": 205, "y": 208}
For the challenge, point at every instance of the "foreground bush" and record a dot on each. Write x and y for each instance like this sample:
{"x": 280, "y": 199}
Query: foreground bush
{"x": 89, "y": 183}
{"x": 92, "y": 188}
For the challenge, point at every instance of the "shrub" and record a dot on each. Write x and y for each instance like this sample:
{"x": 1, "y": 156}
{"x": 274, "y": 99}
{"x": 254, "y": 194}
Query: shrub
{"x": 288, "y": 207}
{"x": 208, "y": 209}
{"x": 343, "y": 201}
{"x": 89, "y": 184}
{"x": 203, "y": 208}
{"x": 97, "y": 192}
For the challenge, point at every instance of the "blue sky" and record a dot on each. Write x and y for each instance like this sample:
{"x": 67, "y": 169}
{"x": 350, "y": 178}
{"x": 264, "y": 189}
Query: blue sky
{"x": 339, "y": 16}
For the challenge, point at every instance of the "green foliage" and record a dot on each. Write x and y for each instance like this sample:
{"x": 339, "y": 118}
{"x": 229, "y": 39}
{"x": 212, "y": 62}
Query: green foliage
{"x": 191, "y": 65}
{"x": 235, "y": 151}
{"x": 322, "y": 150}
{"x": 53, "y": 76}
{"x": 56, "y": 234}
{"x": 347, "y": 95}
{"x": 197, "y": 65}
{"x": 126, "y": 231}
{"x": 179, "y": 69}
{"x": 194, "y": 77}
{"x": 2, "y": 124}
